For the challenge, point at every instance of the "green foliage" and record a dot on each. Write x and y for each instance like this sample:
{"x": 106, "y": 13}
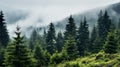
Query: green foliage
{"x": 58, "y": 58}
{"x": 1, "y": 56}
{"x": 104, "y": 60}
{"x": 71, "y": 48}
{"x": 59, "y": 41}
{"x": 111, "y": 44}
{"x": 71, "y": 65}
{"x": 4, "y": 37}
{"x": 17, "y": 54}
{"x": 104, "y": 25}
{"x": 70, "y": 29}
{"x": 39, "y": 56}
{"x": 93, "y": 38}
{"x": 47, "y": 58}
{"x": 83, "y": 37}
{"x": 33, "y": 39}
{"x": 51, "y": 39}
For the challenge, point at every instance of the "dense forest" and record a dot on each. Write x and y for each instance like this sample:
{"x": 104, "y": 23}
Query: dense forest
{"x": 74, "y": 47}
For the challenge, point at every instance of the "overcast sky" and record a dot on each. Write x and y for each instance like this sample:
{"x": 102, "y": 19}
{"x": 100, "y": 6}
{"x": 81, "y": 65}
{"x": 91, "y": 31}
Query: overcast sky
{"x": 55, "y": 9}
{"x": 45, "y": 11}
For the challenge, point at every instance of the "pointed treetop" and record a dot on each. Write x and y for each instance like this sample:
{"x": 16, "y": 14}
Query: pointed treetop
{"x": 1, "y": 12}
{"x": 106, "y": 14}
{"x": 71, "y": 18}
{"x": 100, "y": 13}
{"x": 18, "y": 28}
{"x": 84, "y": 19}
{"x": 44, "y": 31}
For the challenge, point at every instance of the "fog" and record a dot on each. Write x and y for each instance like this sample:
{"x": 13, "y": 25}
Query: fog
{"x": 38, "y": 13}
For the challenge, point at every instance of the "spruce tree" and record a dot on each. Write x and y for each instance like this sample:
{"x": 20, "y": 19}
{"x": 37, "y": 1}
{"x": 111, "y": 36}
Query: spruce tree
{"x": 51, "y": 39}
{"x": 71, "y": 48}
{"x": 104, "y": 24}
{"x": 33, "y": 39}
{"x": 4, "y": 37}
{"x": 111, "y": 44}
{"x": 59, "y": 41}
{"x": 17, "y": 54}
{"x": 93, "y": 39}
{"x": 44, "y": 39}
{"x": 83, "y": 37}
{"x": 70, "y": 29}
{"x": 39, "y": 56}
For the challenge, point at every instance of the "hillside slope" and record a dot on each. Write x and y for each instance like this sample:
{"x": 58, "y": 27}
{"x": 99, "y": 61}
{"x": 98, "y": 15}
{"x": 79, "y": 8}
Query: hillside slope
{"x": 95, "y": 60}
{"x": 92, "y": 15}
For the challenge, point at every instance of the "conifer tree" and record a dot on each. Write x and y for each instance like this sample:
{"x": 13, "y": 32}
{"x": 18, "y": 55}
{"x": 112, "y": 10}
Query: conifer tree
{"x": 17, "y": 54}
{"x": 59, "y": 41}
{"x": 33, "y": 39}
{"x": 70, "y": 28}
{"x": 104, "y": 24}
{"x": 51, "y": 39}
{"x": 111, "y": 44}
{"x": 71, "y": 48}
{"x": 83, "y": 37}
{"x": 93, "y": 39}
{"x": 39, "y": 55}
{"x": 44, "y": 39}
{"x": 4, "y": 37}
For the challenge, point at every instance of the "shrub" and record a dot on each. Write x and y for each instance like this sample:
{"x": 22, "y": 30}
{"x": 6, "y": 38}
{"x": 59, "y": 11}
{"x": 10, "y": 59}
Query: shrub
{"x": 58, "y": 58}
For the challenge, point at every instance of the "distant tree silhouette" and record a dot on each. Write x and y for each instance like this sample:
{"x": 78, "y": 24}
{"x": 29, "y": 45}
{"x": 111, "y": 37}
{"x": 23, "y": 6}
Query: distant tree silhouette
{"x": 4, "y": 37}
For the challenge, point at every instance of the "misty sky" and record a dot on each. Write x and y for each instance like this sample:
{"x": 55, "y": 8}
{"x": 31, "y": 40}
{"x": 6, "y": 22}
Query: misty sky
{"x": 54, "y": 10}
{"x": 42, "y": 12}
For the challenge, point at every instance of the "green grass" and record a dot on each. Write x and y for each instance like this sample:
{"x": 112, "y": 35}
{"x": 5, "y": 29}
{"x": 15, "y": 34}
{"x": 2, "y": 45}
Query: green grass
{"x": 94, "y": 60}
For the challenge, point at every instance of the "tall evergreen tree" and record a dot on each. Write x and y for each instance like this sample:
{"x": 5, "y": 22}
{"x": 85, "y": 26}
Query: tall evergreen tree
{"x": 4, "y": 37}
{"x": 71, "y": 48}
{"x": 111, "y": 44}
{"x": 93, "y": 39}
{"x": 51, "y": 39}
{"x": 33, "y": 39}
{"x": 44, "y": 39}
{"x": 83, "y": 37}
{"x": 17, "y": 54}
{"x": 70, "y": 28}
{"x": 104, "y": 24}
{"x": 39, "y": 55}
{"x": 59, "y": 41}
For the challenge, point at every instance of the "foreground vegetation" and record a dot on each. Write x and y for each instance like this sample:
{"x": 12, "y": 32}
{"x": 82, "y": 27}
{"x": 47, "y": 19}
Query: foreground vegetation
{"x": 96, "y": 60}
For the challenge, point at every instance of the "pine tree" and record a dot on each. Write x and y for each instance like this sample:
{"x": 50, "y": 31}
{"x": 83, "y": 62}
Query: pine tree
{"x": 104, "y": 24}
{"x": 93, "y": 39}
{"x": 17, "y": 54}
{"x": 44, "y": 39}
{"x": 70, "y": 29}
{"x": 83, "y": 37}
{"x": 4, "y": 37}
{"x": 51, "y": 39}
{"x": 59, "y": 41}
{"x": 33, "y": 39}
{"x": 71, "y": 48}
{"x": 39, "y": 55}
{"x": 111, "y": 44}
